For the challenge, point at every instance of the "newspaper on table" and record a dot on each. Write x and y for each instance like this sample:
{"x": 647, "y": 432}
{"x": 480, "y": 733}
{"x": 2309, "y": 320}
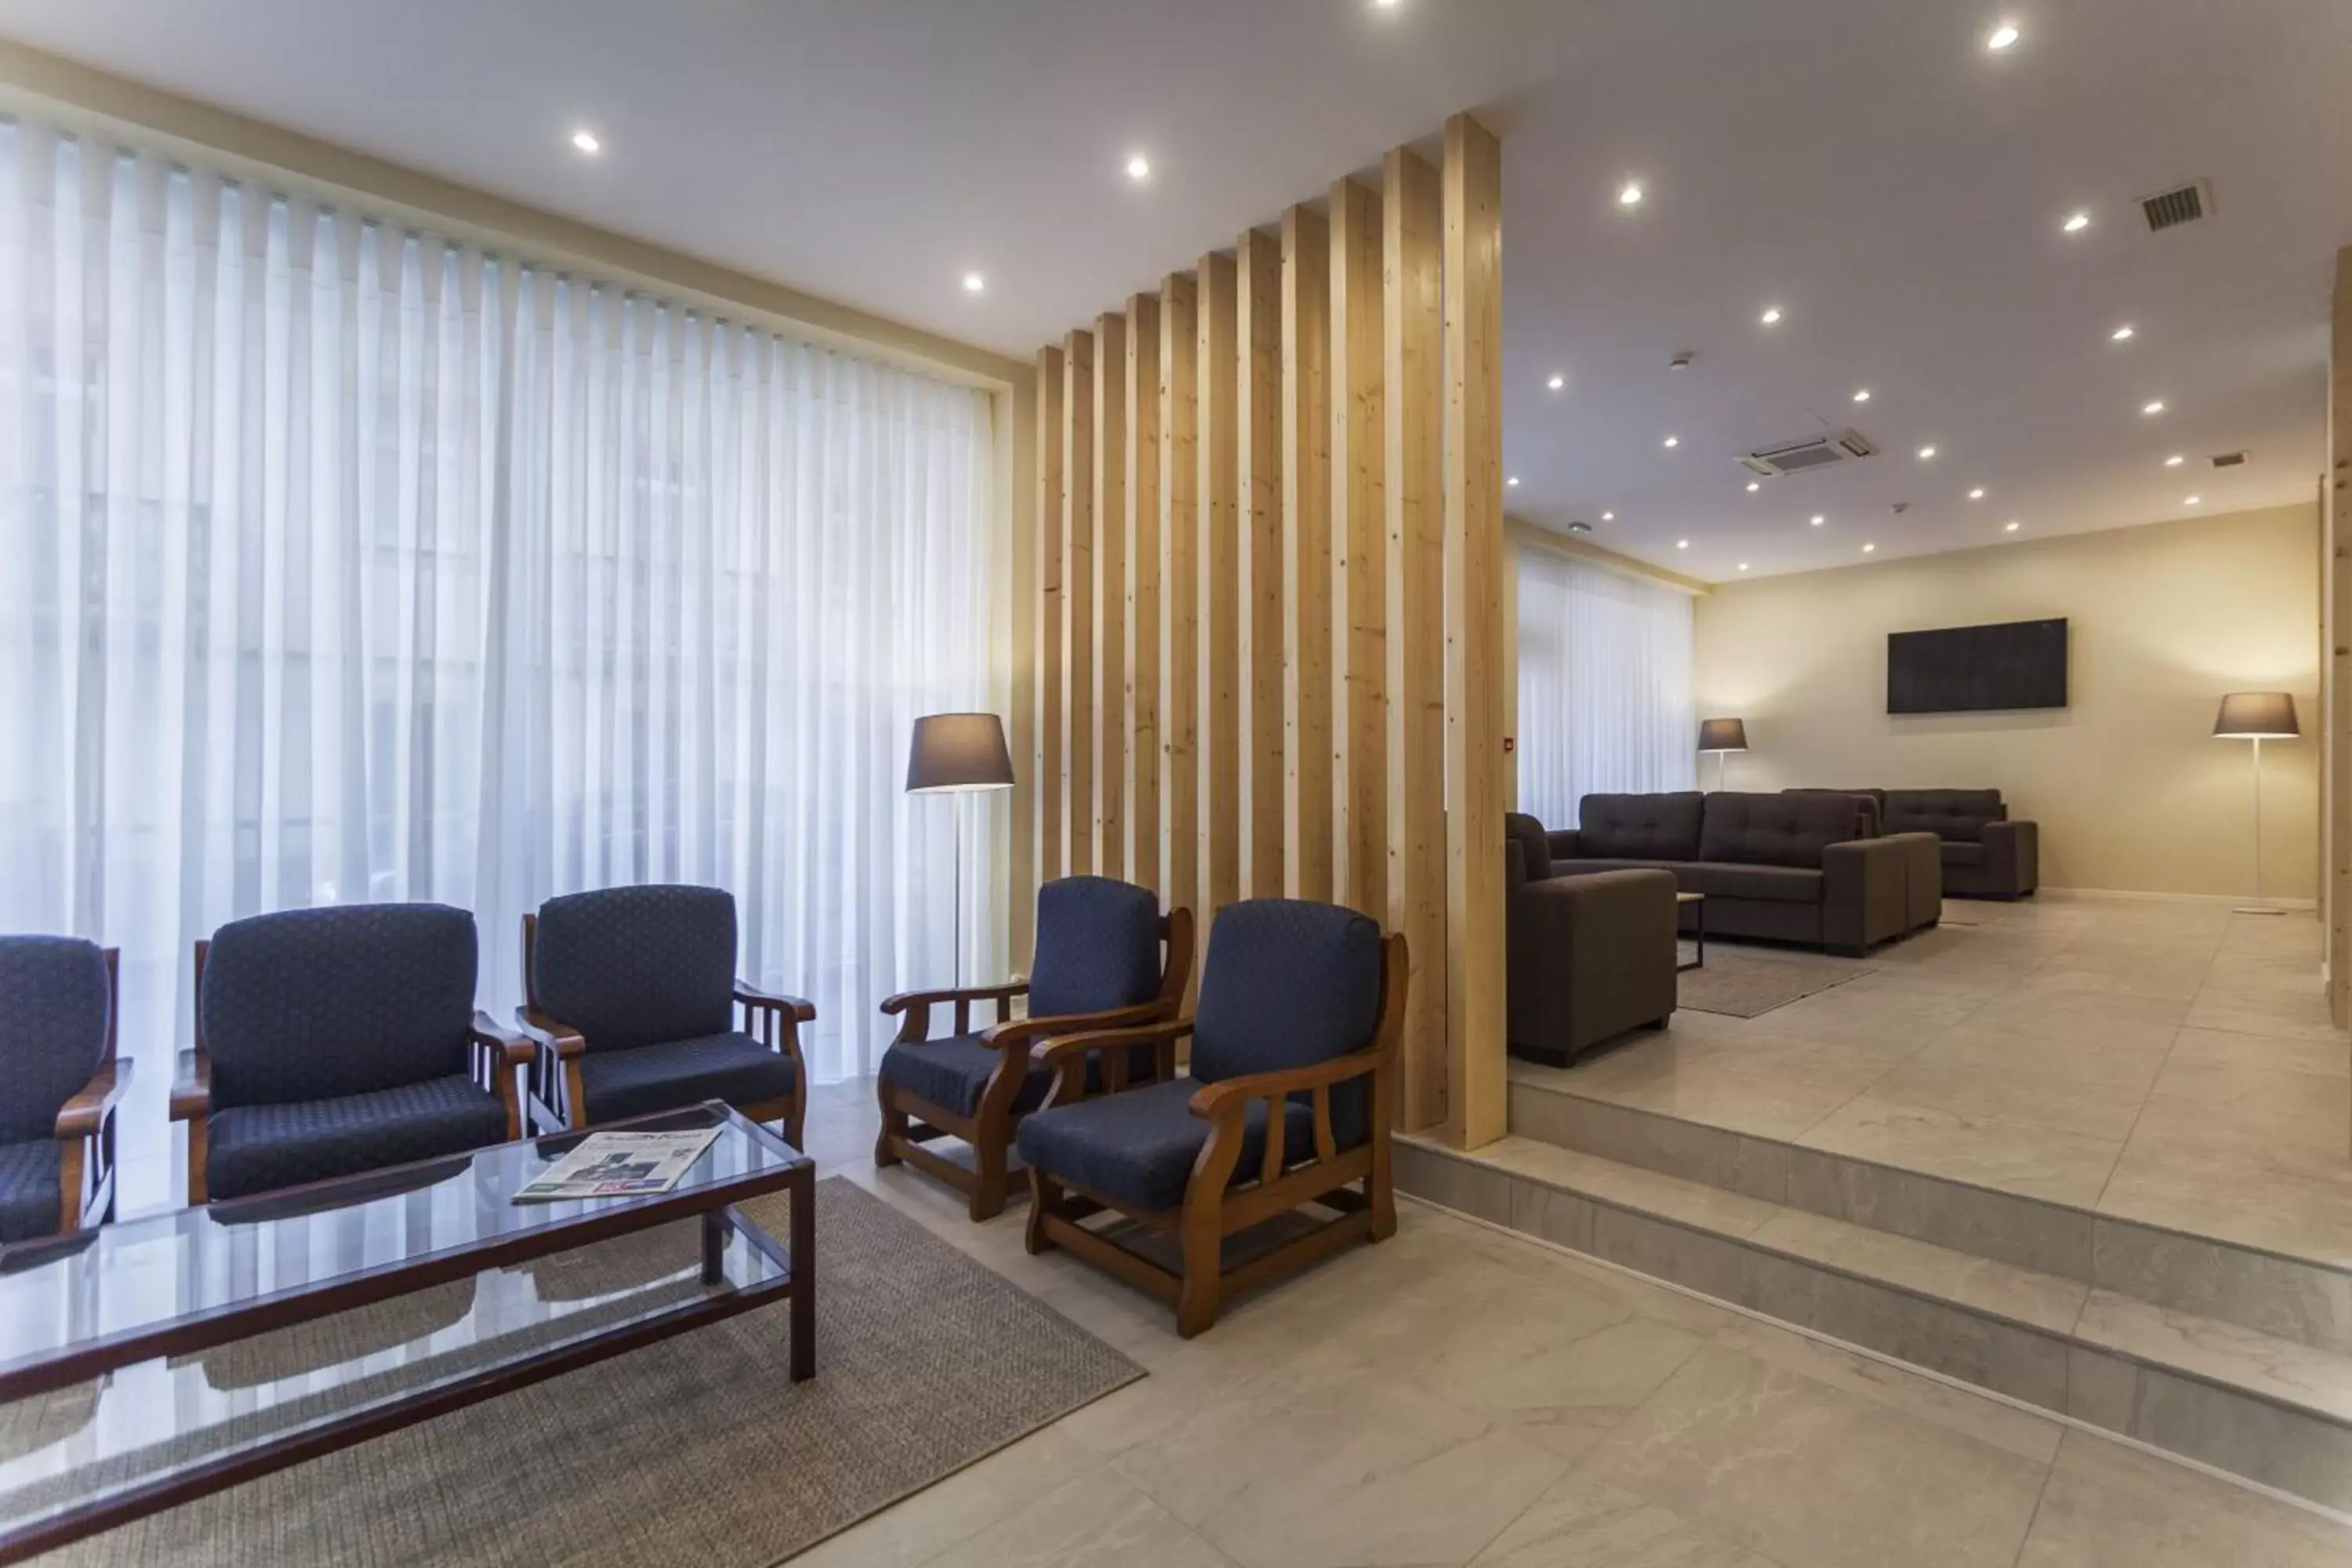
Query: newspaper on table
{"x": 619, "y": 1165}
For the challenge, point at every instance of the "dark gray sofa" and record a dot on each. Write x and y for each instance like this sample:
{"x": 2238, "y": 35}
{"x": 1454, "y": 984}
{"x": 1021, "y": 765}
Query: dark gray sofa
{"x": 1983, "y": 852}
{"x": 1589, "y": 957}
{"x": 1781, "y": 867}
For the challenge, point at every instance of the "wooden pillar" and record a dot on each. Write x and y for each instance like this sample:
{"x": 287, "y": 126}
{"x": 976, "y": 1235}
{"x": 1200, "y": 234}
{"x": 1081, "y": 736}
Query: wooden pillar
{"x": 1019, "y": 408}
{"x": 1306, "y": 554}
{"x": 1477, "y": 1075}
{"x": 1216, "y": 546}
{"x": 1077, "y": 603}
{"x": 1257, "y": 259}
{"x": 1109, "y": 804}
{"x": 1141, "y": 547}
{"x": 1180, "y": 596}
{"x": 2335, "y": 528}
{"x": 1411, "y": 331}
{"x": 1046, "y": 757}
{"x": 1359, "y": 826}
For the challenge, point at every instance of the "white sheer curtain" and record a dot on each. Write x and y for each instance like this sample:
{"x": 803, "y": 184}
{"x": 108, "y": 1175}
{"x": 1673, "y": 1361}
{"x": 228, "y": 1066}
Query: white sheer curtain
{"x": 339, "y": 561}
{"x": 1604, "y": 685}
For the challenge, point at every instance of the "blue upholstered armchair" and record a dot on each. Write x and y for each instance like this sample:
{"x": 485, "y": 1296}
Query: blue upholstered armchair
{"x": 1099, "y": 965}
{"x": 58, "y": 1085}
{"x": 336, "y": 1040}
{"x": 1294, "y": 1045}
{"x": 631, "y": 998}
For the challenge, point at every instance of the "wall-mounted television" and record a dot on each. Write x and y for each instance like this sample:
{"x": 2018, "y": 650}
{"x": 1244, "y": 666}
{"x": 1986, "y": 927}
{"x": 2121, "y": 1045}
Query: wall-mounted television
{"x": 1973, "y": 670}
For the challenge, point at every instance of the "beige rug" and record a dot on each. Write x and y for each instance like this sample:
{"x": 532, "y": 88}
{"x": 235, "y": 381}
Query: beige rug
{"x": 1747, "y": 987}
{"x": 698, "y": 1450}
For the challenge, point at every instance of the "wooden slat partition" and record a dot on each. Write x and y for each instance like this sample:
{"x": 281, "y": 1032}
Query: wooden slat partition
{"x": 1360, "y": 827}
{"x": 1077, "y": 603}
{"x": 1179, "y": 597}
{"x": 1306, "y": 555}
{"x": 1413, "y": 320}
{"x": 1477, "y": 1077}
{"x": 1021, "y": 720}
{"x": 1257, "y": 259}
{"x": 1140, "y": 548}
{"x": 1045, "y": 759}
{"x": 1108, "y": 807}
{"x": 2335, "y": 532}
{"x": 1217, "y": 548}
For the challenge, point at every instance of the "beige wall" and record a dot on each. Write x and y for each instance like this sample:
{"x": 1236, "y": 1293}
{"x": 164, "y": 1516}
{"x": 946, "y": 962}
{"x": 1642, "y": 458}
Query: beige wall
{"x": 2131, "y": 789}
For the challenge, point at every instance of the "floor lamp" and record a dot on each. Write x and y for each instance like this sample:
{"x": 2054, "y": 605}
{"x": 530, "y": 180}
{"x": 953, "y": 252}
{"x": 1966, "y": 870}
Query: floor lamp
{"x": 955, "y": 753}
{"x": 2257, "y": 716}
{"x": 1719, "y": 736}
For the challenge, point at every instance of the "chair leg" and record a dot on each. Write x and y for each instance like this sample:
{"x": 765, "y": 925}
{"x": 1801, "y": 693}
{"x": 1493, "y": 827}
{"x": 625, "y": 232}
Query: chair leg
{"x": 1196, "y": 1303}
{"x": 894, "y": 1128}
{"x": 988, "y": 1187}
{"x": 1044, "y": 1198}
{"x": 1379, "y": 1192}
{"x": 796, "y": 1119}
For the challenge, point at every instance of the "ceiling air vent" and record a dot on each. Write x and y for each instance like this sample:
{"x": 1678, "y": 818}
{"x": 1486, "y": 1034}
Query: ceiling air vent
{"x": 1814, "y": 452}
{"x": 2228, "y": 459}
{"x": 2170, "y": 209}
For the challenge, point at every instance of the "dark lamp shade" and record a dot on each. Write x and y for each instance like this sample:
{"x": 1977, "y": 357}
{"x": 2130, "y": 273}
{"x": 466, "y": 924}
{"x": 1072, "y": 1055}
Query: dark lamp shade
{"x": 1722, "y": 735}
{"x": 958, "y": 751}
{"x": 2249, "y": 715}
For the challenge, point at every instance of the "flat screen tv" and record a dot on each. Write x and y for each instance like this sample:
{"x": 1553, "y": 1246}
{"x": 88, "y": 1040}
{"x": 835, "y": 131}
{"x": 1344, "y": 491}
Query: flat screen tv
{"x": 1966, "y": 670}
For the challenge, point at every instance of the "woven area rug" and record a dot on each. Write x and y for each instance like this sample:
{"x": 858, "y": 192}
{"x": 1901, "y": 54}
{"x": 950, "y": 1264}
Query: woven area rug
{"x": 697, "y": 1451}
{"x": 1750, "y": 987}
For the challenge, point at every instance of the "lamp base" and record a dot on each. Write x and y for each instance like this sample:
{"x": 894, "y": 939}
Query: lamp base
{"x": 2258, "y": 910}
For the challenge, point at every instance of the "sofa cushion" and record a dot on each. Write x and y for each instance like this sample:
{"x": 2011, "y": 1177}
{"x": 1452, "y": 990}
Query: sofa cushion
{"x": 953, "y": 1073}
{"x": 1580, "y": 866}
{"x": 728, "y": 1065}
{"x": 1958, "y": 813}
{"x": 29, "y": 1201}
{"x": 1641, "y": 826}
{"x": 1868, "y": 808}
{"x": 1098, "y": 946}
{"x": 317, "y": 1005}
{"x": 1962, "y": 854}
{"x": 1535, "y": 845}
{"x": 54, "y": 1000}
{"x": 1775, "y": 829}
{"x": 1288, "y": 984}
{"x": 1772, "y": 884}
{"x": 1138, "y": 1148}
{"x": 260, "y": 1147}
{"x": 637, "y": 966}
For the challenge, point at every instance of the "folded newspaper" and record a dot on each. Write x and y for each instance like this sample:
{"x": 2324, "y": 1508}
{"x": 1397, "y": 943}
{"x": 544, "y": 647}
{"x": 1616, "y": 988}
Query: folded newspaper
{"x": 619, "y": 1165}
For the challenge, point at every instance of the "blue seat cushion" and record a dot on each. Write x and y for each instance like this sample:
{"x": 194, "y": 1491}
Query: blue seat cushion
{"x": 260, "y": 1147}
{"x": 1098, "y": 946}
{"x": 953, "y": 1073}
{"x": 1290, "y": 983}
{"x": 1138, "y": 1148}
{"x": 28, "y": 1189}
{"x": 54, "y": 1003}
{"x": 732, "y": 1067}
{"x": 637, "y": 966}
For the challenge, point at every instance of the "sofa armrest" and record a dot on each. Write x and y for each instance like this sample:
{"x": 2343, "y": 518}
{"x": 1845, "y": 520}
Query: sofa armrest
{"x": 2013, "y": 855}
{"x": 1866, "y": 892}
{"x": 1587, "y": 956}
{"x": 1567, "y": 844}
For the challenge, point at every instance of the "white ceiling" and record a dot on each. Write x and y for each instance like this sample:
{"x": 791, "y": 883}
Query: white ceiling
{"x": 1865, "y": 164}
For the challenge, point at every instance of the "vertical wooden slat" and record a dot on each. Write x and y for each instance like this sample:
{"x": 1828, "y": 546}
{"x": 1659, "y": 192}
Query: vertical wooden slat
{"x": 1477, "y": 1075}
{"x": 1360, "y": 828}
{"x": 1143, "y": 593}
{"x": 1216, "y": 546}
{"x": 1077, "y": 603}
{"x": 1020, "y": 870}
{"x": 2335, "y": 530}
{"x": 1110, "y": 804}
{"x": 1306, "y": 554}
{"x": 1412, "y": 329}
{"x": 1045, "y": 759}
{"x": 1180, "y": 590}
{"x": 1257, "y": 259}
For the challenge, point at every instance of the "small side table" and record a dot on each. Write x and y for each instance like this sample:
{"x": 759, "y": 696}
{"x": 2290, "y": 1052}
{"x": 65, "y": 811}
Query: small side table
{"x": 1699, "y": 900}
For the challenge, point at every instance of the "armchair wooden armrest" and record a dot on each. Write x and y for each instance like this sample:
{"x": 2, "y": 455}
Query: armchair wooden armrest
{"x": 192, "y": 1091}
{"x": 499, "y": 1051}
{"x": 511, "y": 1043}
{"x": 542, "y": 1032}
{"x": 1021, "y": 1031}
{"x": 800, "y": 1009}
{"x": 86, "y": 1112}
{"x": 917, "y": 1007}
{"x": 1224, "y": 1103}
{"x": 1066, "y": 1055}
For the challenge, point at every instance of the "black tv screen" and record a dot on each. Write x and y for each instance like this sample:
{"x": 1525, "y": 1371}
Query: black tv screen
{"x": 1963, "y": 669}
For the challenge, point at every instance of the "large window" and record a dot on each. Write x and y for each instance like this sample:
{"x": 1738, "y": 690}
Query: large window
{"x": 1604, "y": 685}
{"x": 340, "y": 562}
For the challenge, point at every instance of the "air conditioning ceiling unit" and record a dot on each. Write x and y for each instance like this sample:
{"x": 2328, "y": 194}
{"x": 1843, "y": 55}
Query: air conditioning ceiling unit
{"x": 1813, "y": 452}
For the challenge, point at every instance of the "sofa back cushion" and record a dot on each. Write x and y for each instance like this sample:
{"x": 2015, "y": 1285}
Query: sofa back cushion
{"x": 1288, "y": 984}
{"x": 348, "y": 999}
{"x": 1958, "y": 814}
{"x": 1098, "y": 946}
{"x": 1641, "y": 826}
{"x": 637, "y": 966}
{"x": 53, "y": 1003}
{"x": 1776, "y": 829}
{"x": 1869, "y": 809}
{"x": 1534, "y": 860}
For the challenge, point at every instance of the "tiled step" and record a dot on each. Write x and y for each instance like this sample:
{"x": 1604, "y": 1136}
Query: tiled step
{"x": 2275, "y": 1410}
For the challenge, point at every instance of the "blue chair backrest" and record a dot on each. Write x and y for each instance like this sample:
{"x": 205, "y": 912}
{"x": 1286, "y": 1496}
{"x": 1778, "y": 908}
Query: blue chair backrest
{"x": 1290, "y": 983}
{"x": 53, "y": 1003}
{"x": 1098, "y": 946}
{"x": 319, "y": 1003}
{"x": 637, "y": 966}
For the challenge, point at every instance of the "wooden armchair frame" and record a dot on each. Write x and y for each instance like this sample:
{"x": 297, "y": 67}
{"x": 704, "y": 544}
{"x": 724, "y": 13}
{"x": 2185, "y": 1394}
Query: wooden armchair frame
{"x": 496, "y": 1052}
{"x": 85, "y": 1125}
{"x": 558, "y": 1099}
{"x": 910, "y": 1121}
{"x": 1213, "y": 1209}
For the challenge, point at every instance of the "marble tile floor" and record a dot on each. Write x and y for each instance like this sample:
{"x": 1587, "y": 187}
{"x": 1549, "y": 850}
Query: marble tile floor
{"x": 2170, "y": 1063}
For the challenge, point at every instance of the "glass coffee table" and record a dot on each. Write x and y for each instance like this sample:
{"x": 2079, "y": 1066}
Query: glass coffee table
{"x": 154, "y": 1361}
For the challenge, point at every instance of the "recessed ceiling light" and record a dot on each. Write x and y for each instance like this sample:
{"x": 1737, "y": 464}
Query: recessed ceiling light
{"x": 2010, "y": 527}
{"x": 1513, "y": 481}
{"x": 2002, "y": 37}
{"x": 1925, "y": 452}
{"x": 1631, "y": 195}
{"x": 1682, "y": 544}
{"x": 2121, "y": 334}
{"x": 1868, "y": 548}
{"x": 587, "y": 142}
{"x": 1743, "y": 566}
{"x": 2154, "y": 406}
{"x": 2194, "y": 501}
{"x": 2076, "y": 223}
{"x": 1819, "y": 520}
{"x": 1977, "y": 494}
{"x": 973, "y": 283}
{"x": 1771, "y": 317}
{"x": 1139, "y": 167}
{"x": 1754, "y": 485}
{"x": 1863, "y": 396}
{"x": 1556, "y": 382}
{"x": 1608, "y": 517}
{"x": 2174, "y": 461}
{"x": 1386, "y": 5}
{"x": 1674, "y": 441}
